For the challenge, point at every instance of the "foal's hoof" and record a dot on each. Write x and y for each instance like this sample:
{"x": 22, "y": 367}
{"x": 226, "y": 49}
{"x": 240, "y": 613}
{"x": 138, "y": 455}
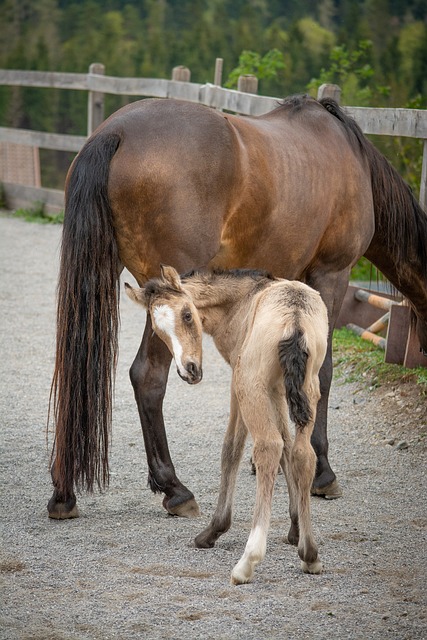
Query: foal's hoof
{"x": 187, "y": 509}
{"x": 315, "y": 567}
{"x": 329, "y": 492}
{"x": 204, "y": 540}
{"x": 62, "y": 510}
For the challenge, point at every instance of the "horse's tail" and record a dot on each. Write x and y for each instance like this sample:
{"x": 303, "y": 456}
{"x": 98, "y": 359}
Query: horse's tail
{"x": 87, "y": 323}
{"x": 400, "y": 222}
{"x": 293, "y": 356}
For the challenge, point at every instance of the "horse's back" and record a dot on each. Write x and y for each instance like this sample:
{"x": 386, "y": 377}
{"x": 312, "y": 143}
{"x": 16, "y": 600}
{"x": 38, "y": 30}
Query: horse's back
{"x": 191, "y": 186}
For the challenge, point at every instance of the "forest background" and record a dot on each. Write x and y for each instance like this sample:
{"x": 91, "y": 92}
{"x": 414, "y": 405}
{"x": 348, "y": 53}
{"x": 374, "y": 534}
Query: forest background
{"x": 376, "y": 50}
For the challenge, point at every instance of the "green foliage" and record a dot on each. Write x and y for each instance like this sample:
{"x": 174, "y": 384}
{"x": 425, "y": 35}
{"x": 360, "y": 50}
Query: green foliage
{"x": 351, "y": 70}
{"x": 251, "y": 62}
{"x": 37, "y": 213}
{"x": 357, "y": 360}
{"x": 364, "y": 271}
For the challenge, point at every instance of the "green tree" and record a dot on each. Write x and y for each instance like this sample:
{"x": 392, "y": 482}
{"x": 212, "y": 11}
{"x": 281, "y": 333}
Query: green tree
{"x": 351, "y": 71}
{"x": 251, "y": 62}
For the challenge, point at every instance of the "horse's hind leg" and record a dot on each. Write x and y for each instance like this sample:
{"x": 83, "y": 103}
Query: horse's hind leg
{"x": 62, "y": 506}
{"x": 232, "y": 450}
{"x": 149, "y": 373}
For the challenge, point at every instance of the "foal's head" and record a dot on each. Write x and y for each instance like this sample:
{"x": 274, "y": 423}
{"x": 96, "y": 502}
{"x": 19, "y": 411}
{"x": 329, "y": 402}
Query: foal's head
{"x": 175, "y": 320}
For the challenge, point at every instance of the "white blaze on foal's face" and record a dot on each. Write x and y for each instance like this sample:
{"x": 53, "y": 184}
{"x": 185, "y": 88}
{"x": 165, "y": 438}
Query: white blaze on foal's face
{"x": 164, "y": 322}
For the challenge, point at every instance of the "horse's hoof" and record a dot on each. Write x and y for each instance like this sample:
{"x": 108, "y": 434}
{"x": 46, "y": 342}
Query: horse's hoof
{"x": 204, "y": 541}
{"x": 314, "y": 568}
{"x": 62, "y": 510}
{"x": 329, "y": 492}
{"x": 187, "y": 509}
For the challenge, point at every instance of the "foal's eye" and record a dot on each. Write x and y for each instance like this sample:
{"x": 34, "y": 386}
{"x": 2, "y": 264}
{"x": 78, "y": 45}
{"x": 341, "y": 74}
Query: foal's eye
{"x": 187, "y": 316}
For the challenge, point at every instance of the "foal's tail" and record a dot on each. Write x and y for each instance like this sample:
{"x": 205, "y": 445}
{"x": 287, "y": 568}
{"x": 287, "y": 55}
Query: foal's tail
{"x": 87, "y": 323}
{"x": 293, "y": 358}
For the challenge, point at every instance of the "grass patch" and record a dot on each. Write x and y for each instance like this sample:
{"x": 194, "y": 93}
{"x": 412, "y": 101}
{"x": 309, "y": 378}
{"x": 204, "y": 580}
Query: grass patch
{"x": 37, "y": 213}
{"x": 356, "y": 360}
{"x": 364, "y": 271}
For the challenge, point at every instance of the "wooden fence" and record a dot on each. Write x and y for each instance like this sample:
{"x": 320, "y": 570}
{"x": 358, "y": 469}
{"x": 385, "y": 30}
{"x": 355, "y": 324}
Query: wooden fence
{"x": 394, "y": 122}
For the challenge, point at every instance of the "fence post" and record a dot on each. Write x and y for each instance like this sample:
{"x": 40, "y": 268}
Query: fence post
{"x": 218, "y": 72}
{"x": 181, "y": 74}
{"x": 95, "y": 104}
{"x": 247, "y": 84}
{"x": 423, "y": 185}
{"x": 329, "y": 91}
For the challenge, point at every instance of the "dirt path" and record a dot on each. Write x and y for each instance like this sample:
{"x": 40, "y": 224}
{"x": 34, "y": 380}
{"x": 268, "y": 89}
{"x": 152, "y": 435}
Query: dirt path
{"x": 125, "y": 569}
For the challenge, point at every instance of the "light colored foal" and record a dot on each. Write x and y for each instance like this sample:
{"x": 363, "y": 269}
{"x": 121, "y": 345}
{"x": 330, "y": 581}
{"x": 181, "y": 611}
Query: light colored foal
{"x": 273, "y": 333}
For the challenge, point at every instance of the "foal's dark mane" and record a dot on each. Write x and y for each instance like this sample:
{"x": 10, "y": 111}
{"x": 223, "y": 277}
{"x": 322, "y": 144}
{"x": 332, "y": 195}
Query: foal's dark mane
{"x": 255, "y": 274}
{"x": 259, "y": 276}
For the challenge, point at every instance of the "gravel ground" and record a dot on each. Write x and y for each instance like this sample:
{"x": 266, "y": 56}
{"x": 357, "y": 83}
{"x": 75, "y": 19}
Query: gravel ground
{"x": 125, "y": 569}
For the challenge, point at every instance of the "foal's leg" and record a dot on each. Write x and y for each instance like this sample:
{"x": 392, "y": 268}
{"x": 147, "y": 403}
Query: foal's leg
{"x": 149, "y": 373}
{"x": 303, "y": 465}
{"x": 258, "y": 415}
{"x": 232, "y": 450}
{"x": 282, "y": 421}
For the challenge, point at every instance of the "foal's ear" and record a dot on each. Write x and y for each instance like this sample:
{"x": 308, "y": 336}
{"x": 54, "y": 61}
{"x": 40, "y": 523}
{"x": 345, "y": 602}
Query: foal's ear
{"x": 171, "y": 277}
{"x": 135, "y": 294}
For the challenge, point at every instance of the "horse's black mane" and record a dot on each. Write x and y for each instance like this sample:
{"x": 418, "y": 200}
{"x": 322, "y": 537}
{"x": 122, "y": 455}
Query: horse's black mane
{"x": 399, "y": 219}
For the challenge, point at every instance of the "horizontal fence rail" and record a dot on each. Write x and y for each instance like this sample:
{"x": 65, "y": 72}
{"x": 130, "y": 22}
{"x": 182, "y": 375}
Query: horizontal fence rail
{"x": 376, "y": 121}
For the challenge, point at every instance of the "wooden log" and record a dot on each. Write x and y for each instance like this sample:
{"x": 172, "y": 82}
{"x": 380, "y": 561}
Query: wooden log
{"x": 373, "y": 299}
{"x": 362, "y": 314}
{"x": 380, "y": 324}
{"x": 378, "y": 341}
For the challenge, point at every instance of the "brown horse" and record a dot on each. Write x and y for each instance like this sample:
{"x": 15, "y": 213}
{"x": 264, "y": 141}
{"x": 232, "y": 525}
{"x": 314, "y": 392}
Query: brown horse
{"x": 299, "y": 192}
{"x": 274, "y": 334}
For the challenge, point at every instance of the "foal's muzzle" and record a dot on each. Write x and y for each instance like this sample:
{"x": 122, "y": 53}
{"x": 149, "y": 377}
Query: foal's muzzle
{"x": 193, "y": 373}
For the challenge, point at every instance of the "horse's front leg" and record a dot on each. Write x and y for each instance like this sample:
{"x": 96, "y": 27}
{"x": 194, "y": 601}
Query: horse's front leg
{"x": 149, "y": 374}
{"x": 325, "y": 482}
{"x": 232, "y": 450}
